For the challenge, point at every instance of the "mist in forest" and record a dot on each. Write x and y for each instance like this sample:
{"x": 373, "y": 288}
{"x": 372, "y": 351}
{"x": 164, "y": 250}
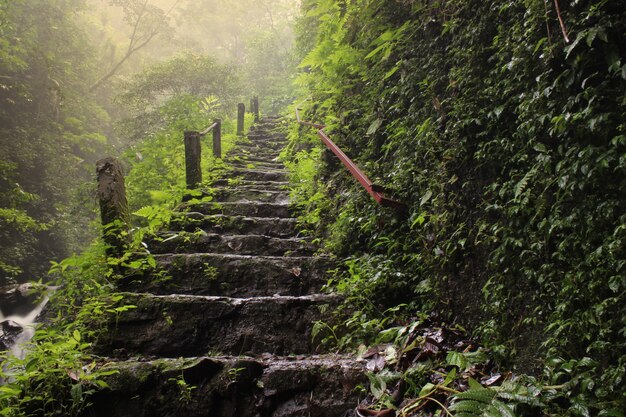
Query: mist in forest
{"x": 81, "y": 80}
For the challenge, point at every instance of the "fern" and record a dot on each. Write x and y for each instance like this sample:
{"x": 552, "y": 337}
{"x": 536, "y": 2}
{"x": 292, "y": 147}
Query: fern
{"x": 500, "y": 401}
{"x": 480, "y": 402}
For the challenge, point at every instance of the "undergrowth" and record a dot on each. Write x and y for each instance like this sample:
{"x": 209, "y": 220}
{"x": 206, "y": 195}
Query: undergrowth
{"x": 59, "y": 372}
{"x": 506, "y": 142}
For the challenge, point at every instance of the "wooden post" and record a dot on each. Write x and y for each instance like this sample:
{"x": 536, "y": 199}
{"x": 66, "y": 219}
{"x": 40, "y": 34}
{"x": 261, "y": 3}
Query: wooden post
{"x": 251, "y": 105}
{"x": 241, "y": 111}
{"x": 217, "y": 139}
{"x": 193, "y": 154}
{"x": 111, "y": 194}
{"x": 255, "y": 99}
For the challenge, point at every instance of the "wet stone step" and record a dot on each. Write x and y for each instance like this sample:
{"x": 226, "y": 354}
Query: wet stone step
{"x": 233, "y": 275}
{"x": 270, "y": 386}
{"x": 191, "y": 325}
{"x": 202, "y": 242}
{"x": 241, "y": 208}
{"x": 262, "y": 154}
{"x": 275, "y": 166}
{"x": 266, "y": 140}
{"x": 219, "y": 223}
{"x": 235, "y": 193}
{"x": 258, "y": 145}
{"x": 259, "y": 175}
{"x": 255, "y": 185}
{"x": 238, "y": 155}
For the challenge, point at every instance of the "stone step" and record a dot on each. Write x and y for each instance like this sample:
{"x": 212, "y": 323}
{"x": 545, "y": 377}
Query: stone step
{"x": 237, "y": 156}
{"x": 192, "y": 325}
{"x": 241, "y": 208}
{"x": 231, "y": 194}
{"x": 256, "y": 185}
{"x": 270, "y": 386}
{"x": 274, "y": 166}
{"x": 262, "y": 138}
{"x": 267, "y": 154}
{"x": 219, "y": 223}
{"x": 262, "y": 145}
{"x": 258, "y": 174}
{"x": 233, "y": 275}
{"x": 185, "y": 242}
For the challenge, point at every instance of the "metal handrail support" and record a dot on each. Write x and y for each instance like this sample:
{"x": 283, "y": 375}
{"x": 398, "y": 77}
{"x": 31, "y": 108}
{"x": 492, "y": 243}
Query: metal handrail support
{"x": 376, "y": 191}
{"x": 208, "y": 129}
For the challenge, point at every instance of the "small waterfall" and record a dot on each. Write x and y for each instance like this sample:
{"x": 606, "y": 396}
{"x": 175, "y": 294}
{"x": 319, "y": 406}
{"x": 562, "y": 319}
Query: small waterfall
{"x": 27, "y": 322}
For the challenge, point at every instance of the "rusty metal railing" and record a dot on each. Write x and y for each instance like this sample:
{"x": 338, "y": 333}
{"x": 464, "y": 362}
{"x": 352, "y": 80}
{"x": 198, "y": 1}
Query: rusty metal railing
{"x": 376, "y": 191}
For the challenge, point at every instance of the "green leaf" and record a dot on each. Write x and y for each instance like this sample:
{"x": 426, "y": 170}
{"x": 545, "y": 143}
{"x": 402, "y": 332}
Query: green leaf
{"x": 457, "y": 359}
{"x": 32, "y": 365}
{"x": 391, "y": 72}
{"x": 77, "y": 393}
{"x": 374, "y": 126}
{"x": 426, "y": 389}
{"x": 450, "y": 377}
{"x": 378, "y": 386}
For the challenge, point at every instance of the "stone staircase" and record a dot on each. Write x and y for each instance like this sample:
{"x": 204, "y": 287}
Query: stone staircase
{"x": 226, "y": 329}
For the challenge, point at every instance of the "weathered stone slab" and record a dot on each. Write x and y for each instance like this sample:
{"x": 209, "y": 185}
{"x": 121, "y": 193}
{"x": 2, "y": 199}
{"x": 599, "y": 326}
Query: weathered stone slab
{"x": 257, "y": 185}
{"x": 259, "y": 175}
{"x": 20, "y": 299}
{"x": 242, "y": 208}
{"x": 255, "y": 152}
{"x": 319, "y": 386}
{"x": 250, "y": 194}
{"x": 250, "y": 164}
{"x": 219, "y": 223}
{"x": 234, "y": 275}
{"x": 247, "y": 244}
{"x": 187, "y": 325}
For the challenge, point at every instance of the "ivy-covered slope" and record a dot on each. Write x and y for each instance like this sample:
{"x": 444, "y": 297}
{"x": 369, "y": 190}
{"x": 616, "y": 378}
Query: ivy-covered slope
{"x": 503, "y": 130}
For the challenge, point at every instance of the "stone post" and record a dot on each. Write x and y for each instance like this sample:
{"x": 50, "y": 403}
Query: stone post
{"x": 193, "y": 154}
{"x": 241, "y": 111}
{"x": 217, "y": 138}
{"x": 111, "y": 194}
{"x": 255, "y": 100}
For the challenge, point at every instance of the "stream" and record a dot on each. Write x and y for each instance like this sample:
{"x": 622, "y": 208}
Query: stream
{"x": 18, "y": 318}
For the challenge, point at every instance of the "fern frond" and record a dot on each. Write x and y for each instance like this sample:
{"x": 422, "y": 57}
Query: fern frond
{"x": 469, "y": 406}
{"x": 480, "y": 402}
{"x": 483, "y": 395}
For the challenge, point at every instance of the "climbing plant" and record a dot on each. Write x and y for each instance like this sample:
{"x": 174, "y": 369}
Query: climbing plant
{"x": 501, "y": 125}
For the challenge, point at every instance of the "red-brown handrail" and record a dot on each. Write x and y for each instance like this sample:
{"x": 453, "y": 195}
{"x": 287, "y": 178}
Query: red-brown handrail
{"x": 376, "y": 191}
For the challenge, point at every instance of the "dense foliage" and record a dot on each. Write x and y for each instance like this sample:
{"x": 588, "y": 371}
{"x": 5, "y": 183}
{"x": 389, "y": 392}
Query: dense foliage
{"x": 59, "y": 371}
{"x": 506, "y": 138}
{"x": 63, "y": 62}
{"x": 51, "y": 132}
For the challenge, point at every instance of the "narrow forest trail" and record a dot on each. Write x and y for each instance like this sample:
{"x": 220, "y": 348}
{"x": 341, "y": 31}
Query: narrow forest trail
{"x": 227, "y": 330}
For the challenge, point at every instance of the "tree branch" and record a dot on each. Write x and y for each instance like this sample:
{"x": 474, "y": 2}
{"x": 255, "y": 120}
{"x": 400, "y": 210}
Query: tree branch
{"x": 114, "y": 70}
{"x": 134, "y": 44}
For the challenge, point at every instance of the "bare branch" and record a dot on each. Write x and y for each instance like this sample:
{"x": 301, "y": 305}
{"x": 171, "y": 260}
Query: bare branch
{"x": 137, "y": 42}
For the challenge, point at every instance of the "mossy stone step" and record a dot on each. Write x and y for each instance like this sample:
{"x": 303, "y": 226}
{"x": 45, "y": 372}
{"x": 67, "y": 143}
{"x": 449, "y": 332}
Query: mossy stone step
{"x": 239, "y": 156}
{"x": 316, "y": 386}
{"x": 191, "y": 325}
{"x": 241, "y": 208}
{"x": 259, "y": 174}
{"x": 249, "y": 164}
{"x": 245, "y": 244}
{"x": 250, "y": 194}
{"x": 219, "y": 223}
{"x": 256, "y": 185}
{"x": 233, "y": 275}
